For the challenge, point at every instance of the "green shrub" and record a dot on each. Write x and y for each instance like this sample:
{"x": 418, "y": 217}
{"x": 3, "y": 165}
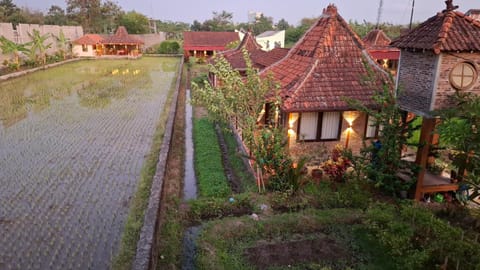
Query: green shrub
{"x": 168, "y": 47}
{"x": 416, "y": 239}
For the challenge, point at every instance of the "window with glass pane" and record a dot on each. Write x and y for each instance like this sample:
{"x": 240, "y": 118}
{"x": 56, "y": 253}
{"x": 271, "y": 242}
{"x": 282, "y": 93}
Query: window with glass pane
{"x": 330, "y": 125}
{"x": 308, "y": 126}
{"x": 371, "y": 130}
{"x": 463, "y": 76}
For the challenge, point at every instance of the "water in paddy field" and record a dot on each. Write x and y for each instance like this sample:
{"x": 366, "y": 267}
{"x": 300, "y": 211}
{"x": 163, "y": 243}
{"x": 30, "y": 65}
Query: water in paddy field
{"x": 73, "y": 140}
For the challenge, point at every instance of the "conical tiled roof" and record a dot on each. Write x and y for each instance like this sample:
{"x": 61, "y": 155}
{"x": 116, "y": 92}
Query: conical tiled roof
{"x": 448, "y": 31}
{"x": 121, "y": 37}
{"x": 326, "y": 66}
{"x": 378, "y": 45}
{"x": 260, "y": 58}
{"x": 376, "y": 38}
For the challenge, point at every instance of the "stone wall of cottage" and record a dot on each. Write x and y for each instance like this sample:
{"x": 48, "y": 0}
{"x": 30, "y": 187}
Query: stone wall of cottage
{"x": 444, "y": 89}
{"x": 416, "y": 80}
{"x": 320, "y": 151}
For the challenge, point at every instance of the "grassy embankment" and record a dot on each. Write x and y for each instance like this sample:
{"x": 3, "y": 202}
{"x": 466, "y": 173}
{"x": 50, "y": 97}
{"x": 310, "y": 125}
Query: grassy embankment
{"x": 139, "y": 201}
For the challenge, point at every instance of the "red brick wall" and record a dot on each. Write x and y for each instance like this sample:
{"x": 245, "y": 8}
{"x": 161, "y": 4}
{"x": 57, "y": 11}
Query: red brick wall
{"x": 416, "y": 78}
{"x": 445, "y": 90}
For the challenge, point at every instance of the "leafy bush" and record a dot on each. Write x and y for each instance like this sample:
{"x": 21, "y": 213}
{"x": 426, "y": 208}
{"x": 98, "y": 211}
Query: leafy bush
{"x": 200, "y": 80}
{"x": 211, "y": 178}
{"x": 336, "y": 166}
{"x": 168, "y": 47}
{"x": 281, "y": 171}
{"x": 416, "y": 239}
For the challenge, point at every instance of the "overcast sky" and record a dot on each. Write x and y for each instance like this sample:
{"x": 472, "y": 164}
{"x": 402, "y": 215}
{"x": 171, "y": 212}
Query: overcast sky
{"x": 394, "y": 11}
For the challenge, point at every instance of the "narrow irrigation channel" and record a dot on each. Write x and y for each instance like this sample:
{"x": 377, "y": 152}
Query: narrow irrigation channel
{"x": 189, "y": 188}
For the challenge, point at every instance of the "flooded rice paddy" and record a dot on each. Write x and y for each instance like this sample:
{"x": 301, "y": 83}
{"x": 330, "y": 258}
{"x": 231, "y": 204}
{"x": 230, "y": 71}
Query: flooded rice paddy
{"x": 73, "y": 140}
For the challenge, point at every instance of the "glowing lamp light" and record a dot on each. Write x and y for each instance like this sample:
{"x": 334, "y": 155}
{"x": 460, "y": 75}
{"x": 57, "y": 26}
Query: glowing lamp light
{"x": 291, "y": 132}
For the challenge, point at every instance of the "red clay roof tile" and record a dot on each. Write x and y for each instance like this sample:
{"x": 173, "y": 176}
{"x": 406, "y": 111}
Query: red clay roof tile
{"x": 448, "y": 30}
{"x": 260, "y": 58}
{"x": 328, "y": 65}
{"x": 121, "y": 36}
{"x": 89, "y": 39}
{"x": 215, "y": 40}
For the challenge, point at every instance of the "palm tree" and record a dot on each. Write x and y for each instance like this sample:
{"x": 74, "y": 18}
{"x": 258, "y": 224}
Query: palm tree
{"x": 9, "y": 47}
{"x": 62, "y": 44}
{"x": 38, "y": 43}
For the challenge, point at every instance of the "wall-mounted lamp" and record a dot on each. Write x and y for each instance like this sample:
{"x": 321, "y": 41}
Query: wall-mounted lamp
{"x": 347, "y": 140}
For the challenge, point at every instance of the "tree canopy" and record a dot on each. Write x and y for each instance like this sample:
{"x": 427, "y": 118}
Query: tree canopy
{"x": 136, "y": 23}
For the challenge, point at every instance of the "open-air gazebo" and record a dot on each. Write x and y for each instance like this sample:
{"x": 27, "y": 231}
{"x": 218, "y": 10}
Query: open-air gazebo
{"x": 121, "y": 43}
{"x": 438, "y": 58}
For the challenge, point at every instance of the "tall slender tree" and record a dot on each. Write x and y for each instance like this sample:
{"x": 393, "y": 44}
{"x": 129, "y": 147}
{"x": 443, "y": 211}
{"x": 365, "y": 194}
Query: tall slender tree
{"x": 56, "y": 15}
{"x": 87, "y": 13}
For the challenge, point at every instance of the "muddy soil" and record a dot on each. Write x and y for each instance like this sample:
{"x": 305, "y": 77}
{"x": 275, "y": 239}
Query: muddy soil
{"x": 321, "y": 249}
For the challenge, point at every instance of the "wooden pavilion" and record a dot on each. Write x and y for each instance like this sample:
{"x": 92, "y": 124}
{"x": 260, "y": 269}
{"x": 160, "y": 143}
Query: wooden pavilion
{"x": 121, "y": 43}
{"x": 438, "y": 58}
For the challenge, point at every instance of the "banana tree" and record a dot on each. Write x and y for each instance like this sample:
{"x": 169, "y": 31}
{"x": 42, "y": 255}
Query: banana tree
{"x": 38, "y": 44}
{"x": 62, "y": 44}
{"x": 9, "y": 47}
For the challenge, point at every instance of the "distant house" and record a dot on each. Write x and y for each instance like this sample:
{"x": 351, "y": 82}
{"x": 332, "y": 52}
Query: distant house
{"x": 206, "y": 44}
{"x": 87, "y": 45}
{"x": 328, "y": 64}
{"x": 121, "y": 43}
{"x": 378, "y": 45}
{"x": 438, "y": 58}
{"x": 474, "y": 13}
{"x": 271, "y": 39}
{"x": 260, "y": 58}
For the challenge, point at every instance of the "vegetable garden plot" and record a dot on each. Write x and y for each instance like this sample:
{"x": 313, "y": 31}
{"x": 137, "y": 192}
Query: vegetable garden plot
{"x": 73, "y": 140}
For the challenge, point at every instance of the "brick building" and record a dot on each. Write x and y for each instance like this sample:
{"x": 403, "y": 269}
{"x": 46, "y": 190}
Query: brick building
{"x": 438, "y": 58}
{"x": 328, "y": 65}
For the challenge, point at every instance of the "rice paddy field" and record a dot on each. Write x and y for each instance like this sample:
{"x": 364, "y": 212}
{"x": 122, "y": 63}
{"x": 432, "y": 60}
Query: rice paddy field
{"x": 73, "y": 140}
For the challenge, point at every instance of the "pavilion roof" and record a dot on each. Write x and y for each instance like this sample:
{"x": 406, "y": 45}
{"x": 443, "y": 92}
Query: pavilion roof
{"x": 447, "y": 31}
{"x": 121, "y": 36}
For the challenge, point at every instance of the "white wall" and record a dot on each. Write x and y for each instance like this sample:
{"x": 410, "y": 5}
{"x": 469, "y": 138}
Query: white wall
{"x": 268, "y": 43}
{"x": 78, "y": 51}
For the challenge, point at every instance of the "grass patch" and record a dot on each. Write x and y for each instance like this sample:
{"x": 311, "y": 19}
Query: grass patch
{"x": 211, "y": 178}
{"x": 139, "y": 202}
{"x": 171, "y": 224}
{"x": 170, "y": 247}
{"x": 221, "y": 244}
{"x": 210, "y": 208}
